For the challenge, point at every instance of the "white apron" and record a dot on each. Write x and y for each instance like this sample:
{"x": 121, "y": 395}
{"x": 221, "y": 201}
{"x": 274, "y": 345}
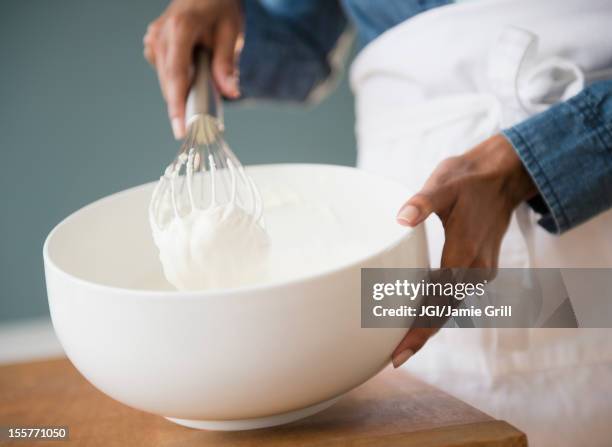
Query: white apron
{"x": 435, "y": 86}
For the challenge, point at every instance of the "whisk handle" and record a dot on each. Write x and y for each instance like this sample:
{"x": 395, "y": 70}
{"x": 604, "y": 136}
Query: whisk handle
{"x": 203, "y": 96}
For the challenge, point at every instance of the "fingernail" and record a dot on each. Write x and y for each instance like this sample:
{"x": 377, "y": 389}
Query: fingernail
{"x": 177, "y": 129}
{"x": 401, "y": 358}
{"x": 233, "y": 82}
{"x": 408, "y": 214}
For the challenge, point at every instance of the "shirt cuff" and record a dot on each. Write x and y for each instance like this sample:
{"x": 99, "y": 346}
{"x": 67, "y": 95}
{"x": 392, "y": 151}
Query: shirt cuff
{"x": 567, "y": 150}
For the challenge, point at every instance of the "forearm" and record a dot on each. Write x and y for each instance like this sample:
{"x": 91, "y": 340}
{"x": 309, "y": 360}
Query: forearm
{"x": 567, "y": 150}
{"x": 286, "y": 54}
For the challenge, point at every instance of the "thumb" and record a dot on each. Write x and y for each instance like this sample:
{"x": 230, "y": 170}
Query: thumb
{"x": 422, "y": 204}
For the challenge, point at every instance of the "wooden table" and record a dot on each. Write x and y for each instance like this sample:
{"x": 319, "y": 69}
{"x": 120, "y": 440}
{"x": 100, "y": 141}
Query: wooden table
{"x": 393, "y": 409}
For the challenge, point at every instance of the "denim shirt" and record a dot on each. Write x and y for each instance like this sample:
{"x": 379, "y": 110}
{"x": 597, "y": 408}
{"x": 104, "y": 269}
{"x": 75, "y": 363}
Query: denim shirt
{"x": 567, "y": 149}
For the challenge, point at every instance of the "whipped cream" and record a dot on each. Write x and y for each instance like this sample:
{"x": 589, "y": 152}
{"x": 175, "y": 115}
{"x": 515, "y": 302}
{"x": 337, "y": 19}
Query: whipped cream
{"x": 218, "y": 247}
{"x": 224, "y": 246}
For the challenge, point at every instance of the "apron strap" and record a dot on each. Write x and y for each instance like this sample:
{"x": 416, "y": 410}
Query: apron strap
{"x": 523, "y": 84}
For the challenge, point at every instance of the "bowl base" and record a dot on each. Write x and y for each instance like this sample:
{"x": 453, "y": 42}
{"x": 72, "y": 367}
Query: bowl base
{"x": 251, "y": 424}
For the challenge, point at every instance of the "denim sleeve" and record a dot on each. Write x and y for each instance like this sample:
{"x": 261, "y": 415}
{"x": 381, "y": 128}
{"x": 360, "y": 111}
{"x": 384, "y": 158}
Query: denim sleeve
{"x": 567, "y": 150}
{"x": 287, "y": 47}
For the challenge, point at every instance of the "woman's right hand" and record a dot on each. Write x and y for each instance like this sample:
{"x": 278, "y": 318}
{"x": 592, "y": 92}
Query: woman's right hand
{"x": 171, "y": 38}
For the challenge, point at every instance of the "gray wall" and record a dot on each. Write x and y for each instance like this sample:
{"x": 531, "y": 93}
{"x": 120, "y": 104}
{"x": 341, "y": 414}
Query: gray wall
{"x": 81, "y": 117}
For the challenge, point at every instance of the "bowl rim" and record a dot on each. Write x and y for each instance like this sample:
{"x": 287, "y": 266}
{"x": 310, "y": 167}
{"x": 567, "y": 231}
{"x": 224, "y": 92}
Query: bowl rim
{"x": 213, "y": 293}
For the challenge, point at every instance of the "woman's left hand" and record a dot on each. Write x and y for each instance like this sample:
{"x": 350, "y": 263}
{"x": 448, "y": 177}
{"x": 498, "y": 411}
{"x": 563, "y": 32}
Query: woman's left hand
{"x": 474, "y": 196}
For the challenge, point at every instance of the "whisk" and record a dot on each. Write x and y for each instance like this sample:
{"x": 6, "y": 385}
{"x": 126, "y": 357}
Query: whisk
{"x": 205, "y": 173}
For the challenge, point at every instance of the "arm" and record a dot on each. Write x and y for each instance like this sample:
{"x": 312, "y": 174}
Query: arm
{"x": 567, "y": 151}
{"x": 287, "y": 49}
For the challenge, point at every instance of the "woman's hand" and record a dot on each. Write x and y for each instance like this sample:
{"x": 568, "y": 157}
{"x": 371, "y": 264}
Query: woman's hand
{"x": 171, "y": 39}
{"x": 474, "y": 196}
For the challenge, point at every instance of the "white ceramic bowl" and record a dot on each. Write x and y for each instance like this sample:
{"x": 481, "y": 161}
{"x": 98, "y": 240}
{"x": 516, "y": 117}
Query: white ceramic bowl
{"x": 231, "y": 359}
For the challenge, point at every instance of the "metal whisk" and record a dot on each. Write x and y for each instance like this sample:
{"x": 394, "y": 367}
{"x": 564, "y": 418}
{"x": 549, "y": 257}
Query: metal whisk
{"x": 205, "y": 173}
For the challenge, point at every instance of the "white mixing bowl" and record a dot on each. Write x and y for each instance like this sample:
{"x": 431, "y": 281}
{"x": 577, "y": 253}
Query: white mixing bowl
{"x": 231, "y": 359}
